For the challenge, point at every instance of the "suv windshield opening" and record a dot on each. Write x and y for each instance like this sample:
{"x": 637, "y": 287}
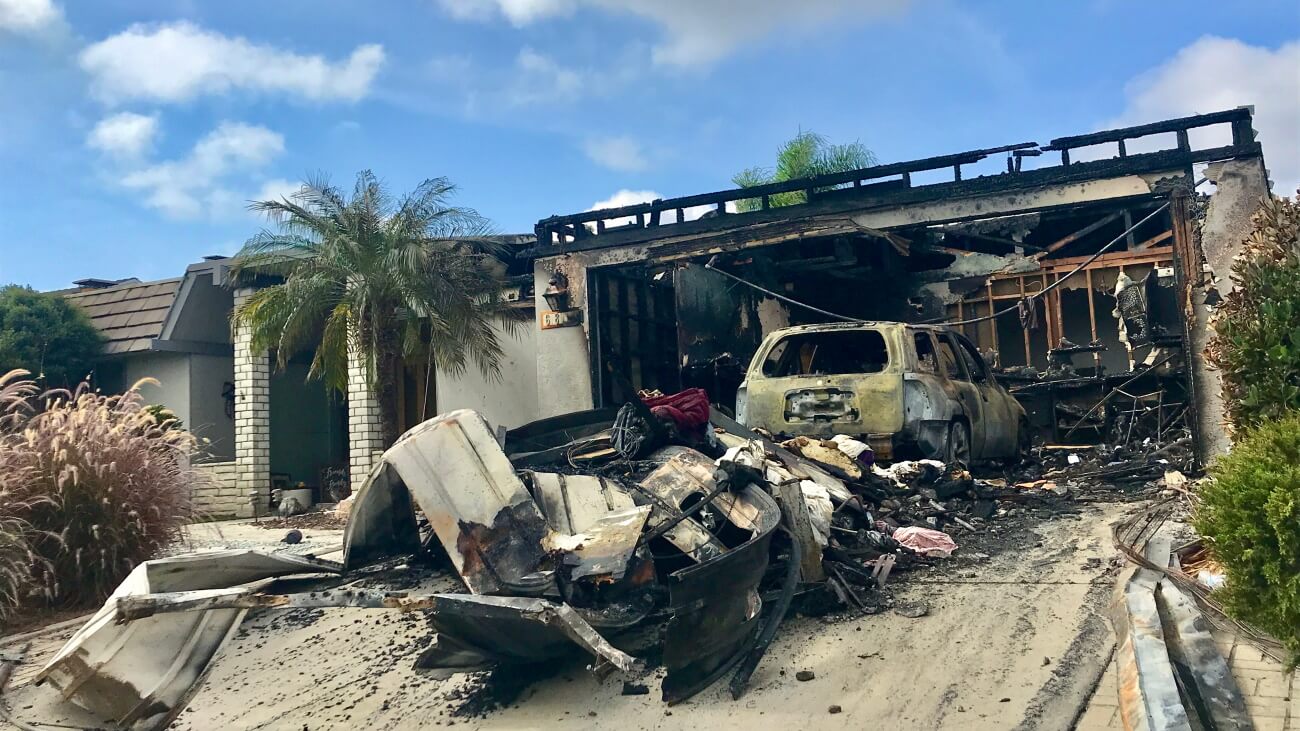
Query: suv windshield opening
{"x": 827, "y": 354}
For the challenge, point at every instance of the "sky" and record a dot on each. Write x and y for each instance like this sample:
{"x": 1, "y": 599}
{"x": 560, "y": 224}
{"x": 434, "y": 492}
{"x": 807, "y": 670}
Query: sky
{"x": 133, "y": 133}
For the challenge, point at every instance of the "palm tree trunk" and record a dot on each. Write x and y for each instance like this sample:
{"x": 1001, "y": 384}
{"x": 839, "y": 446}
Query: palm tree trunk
{"x": 388, "y": 362}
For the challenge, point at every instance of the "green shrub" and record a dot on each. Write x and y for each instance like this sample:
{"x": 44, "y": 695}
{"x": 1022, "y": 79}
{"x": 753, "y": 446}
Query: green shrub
{"x": 46, "y": 334}
{"x": 164, "y": 417}
{"x": 1250, "y": 511}
{"x": 95, "y": 485}
{"x": 1257, "y": 328}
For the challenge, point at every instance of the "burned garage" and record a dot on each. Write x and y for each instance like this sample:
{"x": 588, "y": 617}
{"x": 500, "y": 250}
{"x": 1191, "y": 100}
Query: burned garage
{"x": 1072, "y": 266}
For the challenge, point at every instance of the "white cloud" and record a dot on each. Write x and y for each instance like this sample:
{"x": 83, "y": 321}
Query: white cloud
{"x": 697, "y": 31}
{"x": 518, "y": 12}
{"x": 1215, "y": 73}
{"x": 199, "y": 183}
{"x": 180, "y": 61}
{"x": 28, "y": 16}
{"x": 625, "y": 197}
{"x": 540, "y": 78}
{"x": 277, "y": 189}
{"x": 616, "y": 153}
{"x": 126, "y": 134}
{"x": 533, "y": 79}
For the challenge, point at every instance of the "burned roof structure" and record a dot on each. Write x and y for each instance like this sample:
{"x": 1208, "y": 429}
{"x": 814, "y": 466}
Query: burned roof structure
{"x": 1026, "y": 247}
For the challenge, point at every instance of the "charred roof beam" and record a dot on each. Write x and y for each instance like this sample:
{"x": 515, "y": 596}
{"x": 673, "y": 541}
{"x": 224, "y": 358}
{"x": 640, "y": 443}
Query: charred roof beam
{"x": 846, "y": 192}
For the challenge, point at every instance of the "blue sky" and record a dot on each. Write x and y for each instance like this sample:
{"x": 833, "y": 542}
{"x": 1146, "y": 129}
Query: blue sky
{"x": 132, "y": 133}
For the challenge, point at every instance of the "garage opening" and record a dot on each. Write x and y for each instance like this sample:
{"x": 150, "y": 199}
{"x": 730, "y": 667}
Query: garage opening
{"x": 689, "y": 321}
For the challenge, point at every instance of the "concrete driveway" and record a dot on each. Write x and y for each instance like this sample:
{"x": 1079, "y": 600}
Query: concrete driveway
{"x": 1014, "y": 639}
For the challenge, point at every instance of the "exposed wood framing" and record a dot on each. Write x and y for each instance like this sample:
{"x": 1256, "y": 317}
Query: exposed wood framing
{"x": 1054, "y": 315}
{"x": 1092, "y": 317}
{"x": 1056, "y": 305}
{"x": 1029, "y": 357}
{"x": 993, "y": 321}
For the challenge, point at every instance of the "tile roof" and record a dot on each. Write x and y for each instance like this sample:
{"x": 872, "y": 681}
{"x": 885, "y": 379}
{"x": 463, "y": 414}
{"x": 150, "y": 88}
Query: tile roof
{"x": 130, "y": 315}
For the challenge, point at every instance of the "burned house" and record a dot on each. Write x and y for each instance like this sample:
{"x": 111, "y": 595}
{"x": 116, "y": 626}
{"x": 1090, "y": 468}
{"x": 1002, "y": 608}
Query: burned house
{"x": 1084, "y": 258}
{"x": 643, "y": 528}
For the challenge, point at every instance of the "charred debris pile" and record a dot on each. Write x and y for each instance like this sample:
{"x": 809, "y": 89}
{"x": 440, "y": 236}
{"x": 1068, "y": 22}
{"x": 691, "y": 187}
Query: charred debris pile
{"x": 663, "y": 513}
{"x": 662, "y": 529}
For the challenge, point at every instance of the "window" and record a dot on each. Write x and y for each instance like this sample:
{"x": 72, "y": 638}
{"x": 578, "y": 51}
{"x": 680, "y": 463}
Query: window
{"x": 948, "y": 358}
{"x": 827, "y": 354}
{"x": 974, "y": 361}
{"x": 925, "y": 361}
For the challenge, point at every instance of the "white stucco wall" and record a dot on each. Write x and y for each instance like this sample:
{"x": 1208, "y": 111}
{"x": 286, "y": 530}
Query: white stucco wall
{"x": 511, "y": 402}
{"x": 563, "y": 363}
{"x": 171, "y": 370}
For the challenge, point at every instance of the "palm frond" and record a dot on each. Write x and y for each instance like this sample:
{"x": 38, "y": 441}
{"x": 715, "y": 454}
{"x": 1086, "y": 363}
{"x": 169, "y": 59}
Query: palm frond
{"x": 367, "y": 274}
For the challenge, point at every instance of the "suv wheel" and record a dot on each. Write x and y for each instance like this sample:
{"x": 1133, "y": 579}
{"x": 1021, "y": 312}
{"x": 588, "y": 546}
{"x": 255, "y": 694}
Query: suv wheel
{"x": 959, "y": 443}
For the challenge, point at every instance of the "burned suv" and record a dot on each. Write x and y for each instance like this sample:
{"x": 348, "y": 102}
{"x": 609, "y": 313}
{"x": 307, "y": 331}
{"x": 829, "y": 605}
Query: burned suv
{"x": 903, "y": 389}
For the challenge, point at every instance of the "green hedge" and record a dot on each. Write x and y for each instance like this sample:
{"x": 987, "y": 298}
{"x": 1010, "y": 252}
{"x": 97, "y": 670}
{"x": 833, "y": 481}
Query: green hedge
{"x": 1250, "y": 511}
{"x": 1257, "y": 328}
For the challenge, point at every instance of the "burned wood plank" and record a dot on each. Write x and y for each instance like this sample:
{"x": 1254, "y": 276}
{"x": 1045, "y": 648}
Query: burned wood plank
{"x": 1154, "y": 240}
{"x": 1108, "y": 260}
{"x": 540, "y": 612}
{"x": 1142, "y": 130}
{"x": 1166, "y": 160}
{"x": 1066, "y": 241}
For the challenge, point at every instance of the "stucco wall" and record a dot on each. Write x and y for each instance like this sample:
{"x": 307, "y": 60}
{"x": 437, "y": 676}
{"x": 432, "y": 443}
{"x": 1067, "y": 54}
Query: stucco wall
{"x": 206, "y": 315}
{"x": 171, "y": 370}
{"x": 1239, "y": 186}
{"x": 513, "y": 401}
{"x": 563, "y": 366}
{"x": 209, "y": 420}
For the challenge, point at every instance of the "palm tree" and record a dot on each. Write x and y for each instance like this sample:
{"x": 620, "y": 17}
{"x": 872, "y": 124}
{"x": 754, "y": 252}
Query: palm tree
{"x": 388, "y": 279}
{"x": 807, "y": 155}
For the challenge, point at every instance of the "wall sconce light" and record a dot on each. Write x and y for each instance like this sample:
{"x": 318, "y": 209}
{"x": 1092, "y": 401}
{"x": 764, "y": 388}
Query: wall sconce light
{"x": 562, "y": 313}
{"x": 557, "y": 294}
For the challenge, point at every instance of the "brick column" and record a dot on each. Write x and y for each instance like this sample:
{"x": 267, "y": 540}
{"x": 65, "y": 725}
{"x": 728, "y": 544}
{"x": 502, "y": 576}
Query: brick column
{"x": 365, "y": 435}
{"x": 252, "y": 421}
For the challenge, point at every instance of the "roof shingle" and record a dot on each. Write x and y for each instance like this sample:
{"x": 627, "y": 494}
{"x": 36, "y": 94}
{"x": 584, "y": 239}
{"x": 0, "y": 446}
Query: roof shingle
{"x": 129, "y": 315}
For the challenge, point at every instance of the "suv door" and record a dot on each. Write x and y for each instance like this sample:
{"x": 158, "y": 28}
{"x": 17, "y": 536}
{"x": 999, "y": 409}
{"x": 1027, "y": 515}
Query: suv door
{"x": 952, "y": 365}
{"x": 999, "y": 421}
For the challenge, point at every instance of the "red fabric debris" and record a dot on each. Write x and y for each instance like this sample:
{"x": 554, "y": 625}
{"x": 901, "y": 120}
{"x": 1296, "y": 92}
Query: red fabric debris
{"x": 688, "y": 409}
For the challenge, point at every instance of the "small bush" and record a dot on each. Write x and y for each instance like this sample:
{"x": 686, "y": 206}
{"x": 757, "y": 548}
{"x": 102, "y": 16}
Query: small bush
{"x": 100, "y": 485}
{"x": 1251, "y": 513}
{"x": 1257, "y": 329}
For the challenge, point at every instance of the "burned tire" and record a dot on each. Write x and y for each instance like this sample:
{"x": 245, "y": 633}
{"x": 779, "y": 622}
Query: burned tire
{"x": 958, "y": 443}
